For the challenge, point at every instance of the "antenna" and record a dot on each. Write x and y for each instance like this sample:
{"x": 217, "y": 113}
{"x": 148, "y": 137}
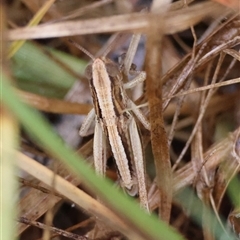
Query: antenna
{"x": 111, "y": 42}
{"x": 108, "y": 48}
{"x": 105, "y": 50}
{"x": 82, "y": 49}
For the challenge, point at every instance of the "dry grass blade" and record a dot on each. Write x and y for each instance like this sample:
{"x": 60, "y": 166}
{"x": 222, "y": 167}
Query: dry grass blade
{"x": 158, "y": 134}
{"x": 210, "y": 86}
{"x": 74, "y": 194}
{"x": 36, "y": 203}
{"x": 233, "y": 53}
{"x": 127, "y": 22}
{"x": 207, "y": 51}
{"x": 201, "y": 113}
{"x": 131, "y": 52}
{"x": 54, "y": 105}
{"x": 217, "y": 154}
{"x": 84, "y": 10}
{"x": 31, "y": 184}
{"x": 107, "y": 24}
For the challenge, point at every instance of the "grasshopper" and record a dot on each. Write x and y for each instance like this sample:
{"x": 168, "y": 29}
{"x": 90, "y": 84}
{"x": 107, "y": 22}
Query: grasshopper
{"x": 113, "y": 115}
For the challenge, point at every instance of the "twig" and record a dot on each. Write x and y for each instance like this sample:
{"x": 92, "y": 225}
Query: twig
{"x": 53, "y": 229}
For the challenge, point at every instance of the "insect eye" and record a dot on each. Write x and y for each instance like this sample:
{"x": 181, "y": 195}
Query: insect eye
{"x": 112, "y": 69}
{"x": 88, "y": 71}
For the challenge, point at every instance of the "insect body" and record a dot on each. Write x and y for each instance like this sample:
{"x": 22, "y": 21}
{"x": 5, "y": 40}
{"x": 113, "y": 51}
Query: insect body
{"x": 114, "y": 122}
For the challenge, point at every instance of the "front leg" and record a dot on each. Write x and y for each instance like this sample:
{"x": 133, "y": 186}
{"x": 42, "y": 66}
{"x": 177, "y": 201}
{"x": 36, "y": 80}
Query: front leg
{"x": 85, "y": 128}
{"x": 141, "y": 77}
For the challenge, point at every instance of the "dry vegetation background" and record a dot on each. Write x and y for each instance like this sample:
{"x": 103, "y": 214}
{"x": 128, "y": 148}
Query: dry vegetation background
{"x": 190, "y": 52}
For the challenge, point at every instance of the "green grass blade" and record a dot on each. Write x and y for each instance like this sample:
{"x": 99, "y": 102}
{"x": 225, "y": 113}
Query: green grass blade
{"x": 8, "y": 182}
{"x": 36, "y": 72}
